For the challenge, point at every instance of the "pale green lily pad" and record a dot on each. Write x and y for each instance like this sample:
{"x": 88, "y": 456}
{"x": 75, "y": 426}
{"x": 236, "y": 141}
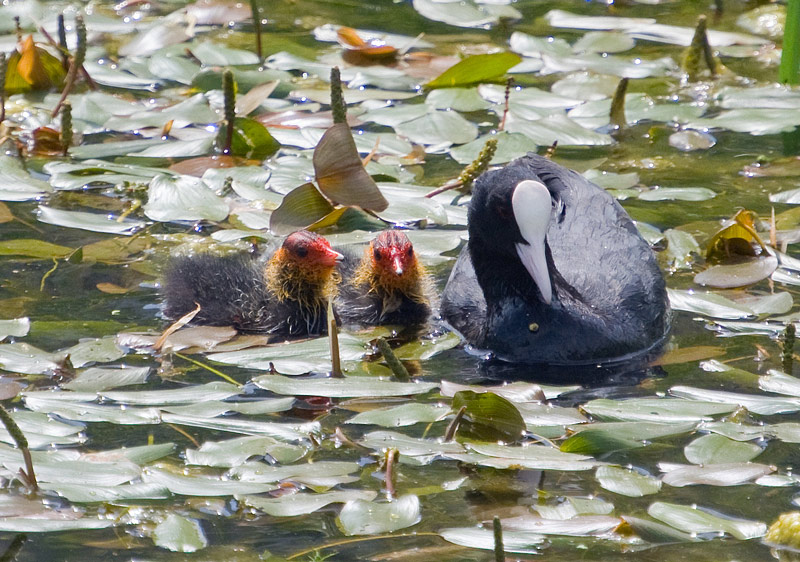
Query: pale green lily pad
{"x": 403, "y": 415}
{"x": 696, "y": 520}
{"x": 201, "y": 485}
{"x": 235, "y": 452}
{"x": 18, "y": 327}
{"x": 521, "y": 542}
{"x": 183, "y": 198}
{"x": 678, "y": 194}
{"x": 350, "y": 387}
{"x": 465, "y": 14}
{"x": 748, "y": 272}
{"x": 707, "y": 304}
{"x": 627, "y": 482}
{"x": 96, "y": 379}
{"x": 359, "y": 517}
{"x": 292, "y": 505}
{"x": 17, "y": 184}
{"x": 717, "y": 449}
{"x": 179, "y": 534}
{"x": 758, "y": 404}
{"x": 102, "y": 350}
{"x": 89, "y": 221}
{"x": 81, "y": 493}
{"x": 210, "y": 391}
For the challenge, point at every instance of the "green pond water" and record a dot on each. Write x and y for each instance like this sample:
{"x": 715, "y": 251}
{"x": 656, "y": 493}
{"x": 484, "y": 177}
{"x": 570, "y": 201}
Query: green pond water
{"x": 130, "y": 470}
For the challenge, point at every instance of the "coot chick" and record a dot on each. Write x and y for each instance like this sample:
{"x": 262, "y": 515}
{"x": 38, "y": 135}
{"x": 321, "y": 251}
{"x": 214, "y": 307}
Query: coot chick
{"x": 384, "y": 285}
{"x": 554, "y": 271}
{"x": 284, "y": 294}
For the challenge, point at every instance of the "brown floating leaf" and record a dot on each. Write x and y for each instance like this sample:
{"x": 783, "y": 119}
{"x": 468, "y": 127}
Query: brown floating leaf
{"x": 373, "y": 49}
{"x": 302, "y": 206}
{"x": 111, "y": 289}
{"x": 5, "y": 213}
{"x": 197, "y": 166}
{"x": 341, "y": 175}
{"x": 689, "y": 354}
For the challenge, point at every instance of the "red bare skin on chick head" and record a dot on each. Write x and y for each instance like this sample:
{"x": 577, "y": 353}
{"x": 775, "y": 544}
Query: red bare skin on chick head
{"x": 302, "y": 269}
{"x": 390, "y": 267}
{"x": 393, "y": 254}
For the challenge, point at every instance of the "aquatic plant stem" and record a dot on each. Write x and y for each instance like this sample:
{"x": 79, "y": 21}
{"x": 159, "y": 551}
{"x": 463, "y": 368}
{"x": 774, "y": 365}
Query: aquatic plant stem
{"x": 2, "y": 87}
{"x": 617, "y": 114}
{"x": 333, "y": 336}
{"x": 257, "y": 25}
{"x": 388, "y": 474}
{"x": 229, "y": 95}
{"x": 66, "y": 127}
{"x": 787, "y": 353}
{"x": 499, "y": 549}
{"x": 790, "y": 56}
{"x": 471, "y": 172}
{"x": 453, "y": 427}
{"x": 208, "y": 368}
{"x": 398, "y": 369}
{"x": 75, "y": 64}
{"x": 698, "y": 53}
{"x": 28, "y": 475}
{"x": 62, "y": 42}
{"x": 509, "y": 84}
{"x": 338, "y": 105}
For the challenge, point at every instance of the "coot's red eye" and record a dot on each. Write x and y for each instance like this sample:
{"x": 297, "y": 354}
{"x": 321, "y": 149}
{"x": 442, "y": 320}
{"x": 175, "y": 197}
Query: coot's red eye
{"x": 377, "y": 254}
{"x": 410, "y": 251}
{"x": 301, "y": 251}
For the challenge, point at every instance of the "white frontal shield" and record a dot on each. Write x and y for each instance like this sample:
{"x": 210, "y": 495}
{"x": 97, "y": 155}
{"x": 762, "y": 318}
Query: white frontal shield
{"x": 532, "y": 206}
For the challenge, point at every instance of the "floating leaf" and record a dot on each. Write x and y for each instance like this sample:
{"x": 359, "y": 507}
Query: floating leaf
{"x": 723, "y": 474}
{"x": 738, "y": 275}
{"x": 350, "y": 387}
{"x": 716, "y": 449}
{"x": 521, "y": 542}
{"x": 179, "y": 534}
{"x": 301, "y": 207}
{"x": 183, "y": 198}
{"x": 678, "y": 194}
{"x": 475, "y": 69}
{"x": 16, "y": 184}
{"x": 31, "y": 67}
{"x": 708, "y": 304}
{"x": 627, "y": 482}
{"x": 359, "y": 517}
{"x": 293, "y": 505}
{"x": 403, "y": 415}
{"x": 341, "y": 175}
{"x": 488, "y": 417}
{"x": 695, "y": 520}
{"x": 88, "y": 221}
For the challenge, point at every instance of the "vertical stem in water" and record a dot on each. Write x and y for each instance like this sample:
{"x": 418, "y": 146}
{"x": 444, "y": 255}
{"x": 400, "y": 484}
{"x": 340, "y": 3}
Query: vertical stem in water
{"x": 790, "y": 57}
{"x": 788, "y": 348}
{"x": 499, "y": 549}
{"x": 229, "y": 95}
{"x": 257, "y": 24}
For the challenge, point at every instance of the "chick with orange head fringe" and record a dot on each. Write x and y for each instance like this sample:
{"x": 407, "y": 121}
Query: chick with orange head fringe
{"x": 284, "y": 294}
{"x": 385, "y": 285}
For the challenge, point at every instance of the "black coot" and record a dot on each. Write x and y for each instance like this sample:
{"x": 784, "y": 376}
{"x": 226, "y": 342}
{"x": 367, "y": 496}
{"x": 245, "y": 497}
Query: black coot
{"x": 284, "y": 294}
{"x": 554, "y": 271}
{"x": 384, "y": 285}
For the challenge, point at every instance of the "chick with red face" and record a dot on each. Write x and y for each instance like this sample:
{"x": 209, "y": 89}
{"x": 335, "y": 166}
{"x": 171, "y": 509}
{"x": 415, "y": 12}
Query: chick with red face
{"x": 284, "y": 294}
{"x": 386, "y": 285}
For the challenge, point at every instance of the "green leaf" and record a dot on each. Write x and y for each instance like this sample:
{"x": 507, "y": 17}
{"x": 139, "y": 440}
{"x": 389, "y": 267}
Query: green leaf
{"x": 521, "y": 542}
{"x": 292, "y": 505}
{"x": 183, "y": 198}
{"x": 33, "y": 248}
{"x": 350, "y": 387}
{"x": 627, "y": 482}
{"x": 179, "y": 534}
{"x": 729, "y": 276}
{"x": 359, "y": 517}
{"x": 475, "y": 69}
{"x": 716, "y": 449}
{"x": 251, "y": 139}
{"x": 488, "y": 417}
{"x": 301, "y": 207}
{"x": 695, "y": 520}
{"x": 16, "y": 184}
{"x": 678, "y": 194}
{"x": 403, "y": 415}
{"x": 723, "y": 474}
{"x": 88, "y": 221}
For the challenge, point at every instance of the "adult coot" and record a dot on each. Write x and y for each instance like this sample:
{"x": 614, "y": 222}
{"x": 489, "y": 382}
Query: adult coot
{"x": 284, "y": 294}
{"x": 554, "y": 271}
{"x": 384, "y": 285}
